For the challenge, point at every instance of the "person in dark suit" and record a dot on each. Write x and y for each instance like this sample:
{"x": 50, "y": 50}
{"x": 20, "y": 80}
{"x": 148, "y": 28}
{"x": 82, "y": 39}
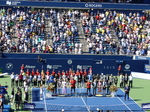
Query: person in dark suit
{"x": 94, "y": 85}
{"x": 127, "y": 90}
{"x": 17, "y": 100}
{"x": 55, "y": 85}
{"x": 109, "y": 83}
{"x": 125, "y": 79}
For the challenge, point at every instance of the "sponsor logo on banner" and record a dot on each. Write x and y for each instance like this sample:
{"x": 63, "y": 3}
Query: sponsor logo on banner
{"x": 94, "y": 5}
{"x": 49, "y": 66}
{"x": 84, "y": 66}
{"x": 127, "y": 66}
{"x": 79, "y": 66}
{"x": 29, "y": 66}
{"x": 8, "y": 2}
{"x": 29, "y": 106}
{"x": 147, "y": 68}
{"x": 54, "y": 66}
{"x": 12, "y": 2}
{"x": 69, "y": 61}
{"x": 9, "y": 66}
{"x": 146, "y": 105}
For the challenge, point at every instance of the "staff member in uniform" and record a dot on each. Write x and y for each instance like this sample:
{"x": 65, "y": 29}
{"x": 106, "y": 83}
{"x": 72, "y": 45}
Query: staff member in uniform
{"x": 88, "y": 86}
{"x": 72, "y": 84}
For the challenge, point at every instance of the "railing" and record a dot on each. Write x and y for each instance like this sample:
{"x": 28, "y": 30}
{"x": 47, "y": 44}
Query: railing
{"x": 100, "y": 1}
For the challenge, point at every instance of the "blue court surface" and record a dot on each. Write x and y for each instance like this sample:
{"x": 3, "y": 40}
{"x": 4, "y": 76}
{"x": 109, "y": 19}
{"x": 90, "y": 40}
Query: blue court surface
{"x": 82, "y": 103}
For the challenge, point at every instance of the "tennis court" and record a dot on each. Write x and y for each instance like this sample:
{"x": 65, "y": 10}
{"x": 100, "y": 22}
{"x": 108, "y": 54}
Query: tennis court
{"x": 84, "y": 103}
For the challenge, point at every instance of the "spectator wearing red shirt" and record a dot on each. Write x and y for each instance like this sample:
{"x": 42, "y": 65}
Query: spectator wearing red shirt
{"x": 33, "y": 50}
{"x": 20, "y": 79}
{"x": 73, "y": 85}
{"x": 70, "y": 71}
{"x": 53, "y": 72}
{"x": 37, "y": 72}
{"x": 22, "y": 67}
{"x": 88, "y": 86}
{"x": 97, "y": 17}
{"x": 77, "y": 72}
{"x": 47, "y": 72}
{"x": 63, "y": 72}
{"x": 32, "y": 73}
{"x": 47, "y": 49}
{"x": 81, "y": 72}
{"x": 27, "y": 72}
{"x": 119, "y": 69}
{"x": 90, "y": 71}
{"x": 59, "y": 74}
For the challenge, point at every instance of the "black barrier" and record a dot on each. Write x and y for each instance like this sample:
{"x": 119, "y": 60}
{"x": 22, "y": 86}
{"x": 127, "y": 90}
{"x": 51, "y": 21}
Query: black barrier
{"x": 29, "y": 106}
{"x": 146, "y": 106}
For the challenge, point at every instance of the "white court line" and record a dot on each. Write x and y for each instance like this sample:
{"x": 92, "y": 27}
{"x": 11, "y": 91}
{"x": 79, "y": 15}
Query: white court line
{"x": 137, "y": 104}
{"x": 44, "y": 100}
{"x": 31, "y": 96}
{"x": 85, "y": 104}
{"x": 124, "y": 104}
{"x": 134, "y": 101}
{"x": 73, "y": 97}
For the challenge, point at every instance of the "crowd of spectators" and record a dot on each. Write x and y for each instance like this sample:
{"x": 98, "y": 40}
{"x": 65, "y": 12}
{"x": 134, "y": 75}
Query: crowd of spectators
{"x": 97, "y": 32}
{"x": 65, "y": 32}
{"x": 21, "y": 31}
{"x": 132, "y": 32}
{"x": 24, "y": 31}
{"x": 107, "y": 32}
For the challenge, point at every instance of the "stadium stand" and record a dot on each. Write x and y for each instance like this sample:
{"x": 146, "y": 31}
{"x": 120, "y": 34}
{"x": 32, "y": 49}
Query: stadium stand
{"x": 24, "y": 31}
{"x": 112, "y": 32}
{"x": 63, "y": 31}
{"x": 57, "y": 31}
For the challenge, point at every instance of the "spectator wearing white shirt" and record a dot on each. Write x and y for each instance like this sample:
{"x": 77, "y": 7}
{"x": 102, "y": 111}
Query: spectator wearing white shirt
{"x": 131, "y": 81}
{"x": 12, "y": 79}
{"x": 16, "y": 79}
{"x": 26, "y": 96}
{"x": 47, "y": 79}
{"x": 39, "y": 80}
